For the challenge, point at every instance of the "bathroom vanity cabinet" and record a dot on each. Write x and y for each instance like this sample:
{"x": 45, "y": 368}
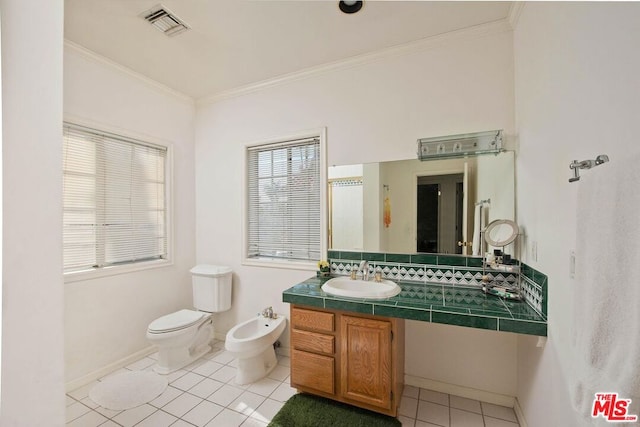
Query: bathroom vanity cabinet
{"x": 349, "y": 357}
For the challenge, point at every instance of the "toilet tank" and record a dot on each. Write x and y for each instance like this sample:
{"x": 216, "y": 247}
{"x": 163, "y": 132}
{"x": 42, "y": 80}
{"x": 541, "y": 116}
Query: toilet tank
{"x": 211, "y": 287}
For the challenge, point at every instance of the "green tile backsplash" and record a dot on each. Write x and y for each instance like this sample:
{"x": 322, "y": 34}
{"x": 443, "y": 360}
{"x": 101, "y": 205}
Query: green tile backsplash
{"x": 451, "y": 270}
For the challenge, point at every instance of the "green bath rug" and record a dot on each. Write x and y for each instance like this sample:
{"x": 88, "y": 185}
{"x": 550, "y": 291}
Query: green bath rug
{"x": 306, "y": 410}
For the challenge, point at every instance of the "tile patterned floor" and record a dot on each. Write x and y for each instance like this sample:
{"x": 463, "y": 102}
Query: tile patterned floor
{"x": 204, "y": 394}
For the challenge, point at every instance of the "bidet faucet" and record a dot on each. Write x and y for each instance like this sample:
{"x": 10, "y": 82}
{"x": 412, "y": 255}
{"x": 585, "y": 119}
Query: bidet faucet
{"x": 268, "y": 313}
{"x": 364, "y": 268}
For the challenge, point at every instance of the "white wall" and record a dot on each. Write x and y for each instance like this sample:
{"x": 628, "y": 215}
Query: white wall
{"x": 106, "y": 318}
{"x": 373, "y": 112}
{"x": 32, "y": 325}
{"x": 577, "y": 92}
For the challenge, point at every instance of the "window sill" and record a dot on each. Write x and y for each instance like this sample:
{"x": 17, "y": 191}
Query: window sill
{"x": 79, "y": 276}
{"x": 283, "y": 264}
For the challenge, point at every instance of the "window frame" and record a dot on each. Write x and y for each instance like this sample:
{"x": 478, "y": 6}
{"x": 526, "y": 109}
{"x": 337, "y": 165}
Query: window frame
{"x": 285, "y": 263}
{"x": 111, "y": 270}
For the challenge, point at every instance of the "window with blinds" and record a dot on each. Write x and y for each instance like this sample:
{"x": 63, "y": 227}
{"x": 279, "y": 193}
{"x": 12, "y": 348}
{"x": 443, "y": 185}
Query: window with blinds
{"x": 115, "y": 207}
{"x": 284, "y": 200}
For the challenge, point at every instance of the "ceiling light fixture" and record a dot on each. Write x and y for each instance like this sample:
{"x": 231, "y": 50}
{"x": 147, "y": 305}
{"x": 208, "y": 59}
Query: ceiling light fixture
{"x": 349, "y": 6}
{"x": 165, "y": 20}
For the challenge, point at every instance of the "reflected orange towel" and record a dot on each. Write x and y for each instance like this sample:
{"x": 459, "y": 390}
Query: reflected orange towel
{"x": 387, "y": 212}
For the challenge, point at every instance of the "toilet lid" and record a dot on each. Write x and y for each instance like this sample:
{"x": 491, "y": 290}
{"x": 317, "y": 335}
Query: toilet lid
{"x": 175, "y": 321}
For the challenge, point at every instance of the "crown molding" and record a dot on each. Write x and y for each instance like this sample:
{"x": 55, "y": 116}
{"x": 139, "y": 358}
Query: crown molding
{"x": 428, "y": 43}
{"x": 153, "y": 84}
{"x": 514, "y": 13}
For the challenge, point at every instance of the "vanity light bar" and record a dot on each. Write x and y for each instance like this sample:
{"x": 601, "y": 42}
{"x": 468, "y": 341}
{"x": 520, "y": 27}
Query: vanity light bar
{"x": 463, "y": 145}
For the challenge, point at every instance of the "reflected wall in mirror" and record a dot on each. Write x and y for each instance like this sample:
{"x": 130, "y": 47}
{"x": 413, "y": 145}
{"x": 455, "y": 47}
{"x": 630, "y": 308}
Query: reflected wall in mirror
{"x": 431, "y": 205}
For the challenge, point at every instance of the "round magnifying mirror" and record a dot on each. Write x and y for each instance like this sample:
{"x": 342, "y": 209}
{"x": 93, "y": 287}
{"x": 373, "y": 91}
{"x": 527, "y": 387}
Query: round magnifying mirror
{"x": 501, "y": 232}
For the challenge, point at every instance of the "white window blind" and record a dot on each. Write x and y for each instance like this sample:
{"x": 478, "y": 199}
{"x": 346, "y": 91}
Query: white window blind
{"x": 114, "y": 200}
{"x": 284, "y": 200}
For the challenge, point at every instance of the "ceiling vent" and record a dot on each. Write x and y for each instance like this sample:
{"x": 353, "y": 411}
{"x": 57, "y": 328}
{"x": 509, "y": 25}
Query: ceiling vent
{"x": 165, "y": 20}
{"x": 464, "y": 145}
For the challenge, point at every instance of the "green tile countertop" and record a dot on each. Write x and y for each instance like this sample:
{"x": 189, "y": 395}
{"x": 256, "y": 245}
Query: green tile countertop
{"x": 430, "y": 302}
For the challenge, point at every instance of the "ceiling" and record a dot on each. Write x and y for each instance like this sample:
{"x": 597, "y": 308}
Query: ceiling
{"x": 234, "y": 43}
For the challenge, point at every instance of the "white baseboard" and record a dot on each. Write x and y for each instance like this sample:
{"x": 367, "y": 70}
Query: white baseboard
{"x": 519, "y": 414}
{"x": 95, "y": 375}
{"x": 468, "y": 392}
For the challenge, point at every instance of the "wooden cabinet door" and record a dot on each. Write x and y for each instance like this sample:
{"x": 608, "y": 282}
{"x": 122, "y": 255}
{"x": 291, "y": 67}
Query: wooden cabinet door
{"x": 313, "y": 371}
{"x": 365, "y": 360}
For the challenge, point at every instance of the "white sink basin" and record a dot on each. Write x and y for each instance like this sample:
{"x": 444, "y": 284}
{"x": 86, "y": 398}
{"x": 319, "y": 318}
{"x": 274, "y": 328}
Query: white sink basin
{"x": 346, "y": 287}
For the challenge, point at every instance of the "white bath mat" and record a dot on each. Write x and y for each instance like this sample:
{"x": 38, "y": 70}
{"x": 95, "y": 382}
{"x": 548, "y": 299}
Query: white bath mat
{"x": 128, "y": 390}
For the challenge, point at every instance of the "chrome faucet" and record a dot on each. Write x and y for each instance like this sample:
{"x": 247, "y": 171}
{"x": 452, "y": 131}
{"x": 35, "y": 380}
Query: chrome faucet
{"x": 268, "y": 313}
{"x": 364, "y": 268}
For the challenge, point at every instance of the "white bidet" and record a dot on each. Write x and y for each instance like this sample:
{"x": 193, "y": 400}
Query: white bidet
{"x": 252, "y": 344}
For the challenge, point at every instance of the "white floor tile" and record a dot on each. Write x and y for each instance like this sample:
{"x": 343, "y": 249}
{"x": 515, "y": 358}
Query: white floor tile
{"x": 494, "y": 422}
{"x": 90, "y": 419}
{"x": 195, "y": 364}
{"x": 153, "y": 356}
{"x": 406, "y": 421}
{"x": 225, "y": 395}
{"x": 175, "y": 375}
{"x": 141, "y": 364}
{"x": 279, "y": 373}
{"x": 76, "y": 410}
{"x": 264, "y": 387}
{"x": 425, "y": 424}
{"x": 460, "y": 418}
{"x": 223, "y": 357}
{"x": 207, "y": 368}
{"x": 187, "y": 381}
{"x": 109, "y": 413}
{"x": 267, "y": 411}
{"x": 182, "y": 404}
{"x": 90, "y": 403}
{"x": 133, "y": 416}
{"x": 408, "y": 407}
{"x": 82, "y": 392}
{"x": 203, "y": 413}
{"x": 501, "y": 412}
{"x": 283, "y": 392}
{"x": 284, "y": 361}
{"x": 224, "y": 374}
{"x": 109, "y": 424}
{"x": 69, "y": 400}
{"x": 167, "y": 396}
{"x": 465, "y": 404}
{"x": 433, "y": 413}
{"x": 252, "y": 422}
{"x": 246, "y": 403}
{"x": 205, "y": 388}
{"x": 227, "y": 418}
{"x": 114, "y": 373}
{"x": 411, "y": 391}
{"x": 158, "y": 419}
{"x": 434, "y": 397}
{"x": 181, "y": 423}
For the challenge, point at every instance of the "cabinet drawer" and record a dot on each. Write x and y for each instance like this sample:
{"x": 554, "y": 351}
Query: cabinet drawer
{"x": 313, "y": 371}
{"x": 314, "y": 320}
{"x": 312, "y": 341}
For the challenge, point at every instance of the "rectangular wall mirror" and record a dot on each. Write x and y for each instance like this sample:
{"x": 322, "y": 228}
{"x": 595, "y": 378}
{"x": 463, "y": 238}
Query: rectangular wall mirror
{"x": 411, "y": 206}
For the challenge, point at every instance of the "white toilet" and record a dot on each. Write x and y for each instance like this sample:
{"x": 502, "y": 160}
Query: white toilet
{"x": 252, "y": 342}
{"x": 184, "y": 336}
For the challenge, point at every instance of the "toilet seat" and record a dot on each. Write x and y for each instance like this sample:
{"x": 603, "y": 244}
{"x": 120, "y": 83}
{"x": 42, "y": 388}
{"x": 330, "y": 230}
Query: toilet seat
{"x": 181, "y": 319}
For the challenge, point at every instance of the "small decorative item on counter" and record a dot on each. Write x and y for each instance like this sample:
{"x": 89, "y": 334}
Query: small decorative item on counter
{"x": 323, "y": 269}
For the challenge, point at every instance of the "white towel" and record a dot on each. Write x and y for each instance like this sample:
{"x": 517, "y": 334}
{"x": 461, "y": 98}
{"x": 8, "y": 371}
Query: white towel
{"x": 475, "y": 243}
{"x": 606, "y": 329}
